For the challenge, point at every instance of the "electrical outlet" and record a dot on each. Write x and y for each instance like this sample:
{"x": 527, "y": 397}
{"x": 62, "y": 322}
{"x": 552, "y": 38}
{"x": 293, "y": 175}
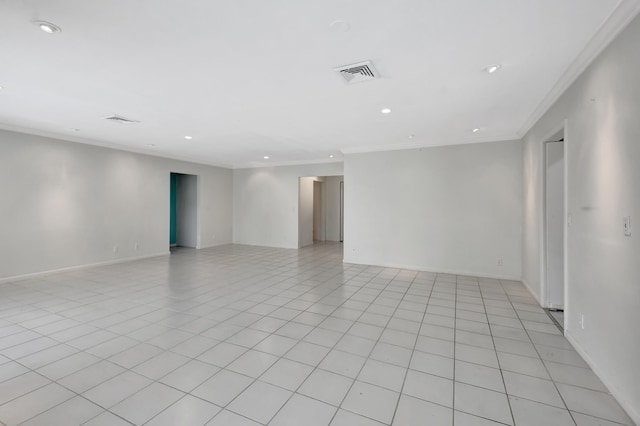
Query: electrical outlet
{"x": 500, "y": 262}
{"x": 115, "y": 249}
{"x": 136, "y": 246}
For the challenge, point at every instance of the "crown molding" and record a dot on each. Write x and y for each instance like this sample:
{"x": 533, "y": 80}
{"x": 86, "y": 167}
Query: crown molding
{"x": 418, "y": 145}
{"x": 623, "y": 14}
{"x": 107, "y": 145}
{"x": 265, "y": 164}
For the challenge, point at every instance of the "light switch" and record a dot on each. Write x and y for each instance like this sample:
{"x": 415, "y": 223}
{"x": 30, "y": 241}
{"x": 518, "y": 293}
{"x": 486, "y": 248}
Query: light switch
{"x": 627, "y": 226}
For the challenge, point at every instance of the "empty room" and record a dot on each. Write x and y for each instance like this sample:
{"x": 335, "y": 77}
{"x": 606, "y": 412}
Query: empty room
{"x": 331, "y": 213}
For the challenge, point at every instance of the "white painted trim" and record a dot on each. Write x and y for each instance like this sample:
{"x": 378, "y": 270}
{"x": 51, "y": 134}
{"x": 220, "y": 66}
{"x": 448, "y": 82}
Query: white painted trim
{"x": 266, "y": 165}
{"x": 627, "y": 406}
{"x": 565, "y": 228}
{"x": 417, "y": 145}
{"x": 546, "y": 291}
{"x": 543, "y": 300}
{"x": 544, "y": 282}
{"x": 423, "y": 268}
{"x": 268, "y": 246}
{"x": 198, "y": 211}
{"x": 153, "y": 153}
{"x": 79, "y": 267}
{"x": 623, "y": 14}
{"x": 542, "y": 221}
{"x": 109, "y": 145}
{"x": 214, "y": 245}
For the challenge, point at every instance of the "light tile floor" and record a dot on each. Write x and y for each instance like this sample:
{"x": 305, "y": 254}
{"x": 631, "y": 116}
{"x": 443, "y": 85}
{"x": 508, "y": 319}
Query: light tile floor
{"x": 240, "y": 335}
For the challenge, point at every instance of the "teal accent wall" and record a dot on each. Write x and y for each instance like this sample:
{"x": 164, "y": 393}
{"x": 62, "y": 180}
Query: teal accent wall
{"x": 173, "y": 228}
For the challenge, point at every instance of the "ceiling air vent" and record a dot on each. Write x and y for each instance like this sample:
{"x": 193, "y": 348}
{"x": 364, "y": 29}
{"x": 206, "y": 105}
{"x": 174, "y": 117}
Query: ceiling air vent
{"x": 358, "y": 73}
{"x": 115, "y": 118}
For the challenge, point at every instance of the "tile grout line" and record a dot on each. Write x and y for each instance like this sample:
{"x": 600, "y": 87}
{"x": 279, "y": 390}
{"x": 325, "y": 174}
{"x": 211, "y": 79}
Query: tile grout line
{"x": 433, "y": 284}
{"x": 248, "y": 349}
{"x": 102, "y": 359}
{"x": 495, "y": 349}
{"x": 542, "y": 361}
{"x": 283, "y": 273}
{"x": 282, "y": 356}
{"x": 355, "y": 379}
{"x": 345, "y": 333}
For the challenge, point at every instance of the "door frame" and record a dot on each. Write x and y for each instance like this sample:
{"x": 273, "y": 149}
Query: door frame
{"x": 544, "y": 296}
{"x": 194, "y": 208}
{"x": 342, "y": 210}
{"x": 549, "y": 299}
{"x": 319, "y": 211}
{"x": 325, "y": 190}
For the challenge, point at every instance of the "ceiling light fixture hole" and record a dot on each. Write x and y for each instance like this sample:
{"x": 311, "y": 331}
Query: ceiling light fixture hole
{"x": 339, "y": 26}
{"x": 493, "y": 68}
{"x": 48, "y": 27}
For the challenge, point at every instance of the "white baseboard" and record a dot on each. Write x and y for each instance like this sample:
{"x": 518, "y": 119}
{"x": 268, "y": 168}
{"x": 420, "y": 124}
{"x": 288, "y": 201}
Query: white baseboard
{"x": 79, "y": 267}
{"x": 626, "y": 405}
{"x": 214, "y": 245}
{"x": 436, "y": 270}
{"x": 269, "y": 246}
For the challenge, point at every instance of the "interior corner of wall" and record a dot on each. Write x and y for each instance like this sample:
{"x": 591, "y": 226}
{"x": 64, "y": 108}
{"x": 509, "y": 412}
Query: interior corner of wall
{"x": 530, "y": 288}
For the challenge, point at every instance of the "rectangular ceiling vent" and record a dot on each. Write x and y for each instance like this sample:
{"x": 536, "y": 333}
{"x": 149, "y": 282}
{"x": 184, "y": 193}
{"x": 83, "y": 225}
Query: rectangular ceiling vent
{"x": 115, "y": 118}
{"x": 358, "y": 73}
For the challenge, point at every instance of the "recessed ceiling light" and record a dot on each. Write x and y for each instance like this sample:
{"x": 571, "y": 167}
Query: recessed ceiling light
{"x": 266, "y": 157}
{"x": 493, "y": 68}
{"x": 340, "y": 26}
{"x": 151, "y": 144}
{"x": 476, "y": 130}
{"x": 331, "y": 156}
{"x": 385, "y": 110}
{"x": 48, "y": 27}
{"x": 188, "y": 137}
{"x": 411, "y": 136}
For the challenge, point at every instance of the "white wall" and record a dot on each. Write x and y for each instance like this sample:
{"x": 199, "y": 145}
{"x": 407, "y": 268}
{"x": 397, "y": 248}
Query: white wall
{"x": 451, "y": 209}
{"x": 187, "y": 211}
{"x": 319, "y": 210}
{"x": 265, "y": 203}
{"x": 603, "y": 152}
{"x": 554, "y": 215}
{"x": 332, "y": 207}
{"x": 65, "y": 204}
{"x": 305, "y": 212}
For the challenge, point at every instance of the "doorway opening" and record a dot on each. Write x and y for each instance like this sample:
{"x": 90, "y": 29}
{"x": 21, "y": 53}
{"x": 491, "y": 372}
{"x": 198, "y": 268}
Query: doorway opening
{"x": 320, "y": 209}
{"x": 554, "y": 227}
{"x": 183, "y": 228}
